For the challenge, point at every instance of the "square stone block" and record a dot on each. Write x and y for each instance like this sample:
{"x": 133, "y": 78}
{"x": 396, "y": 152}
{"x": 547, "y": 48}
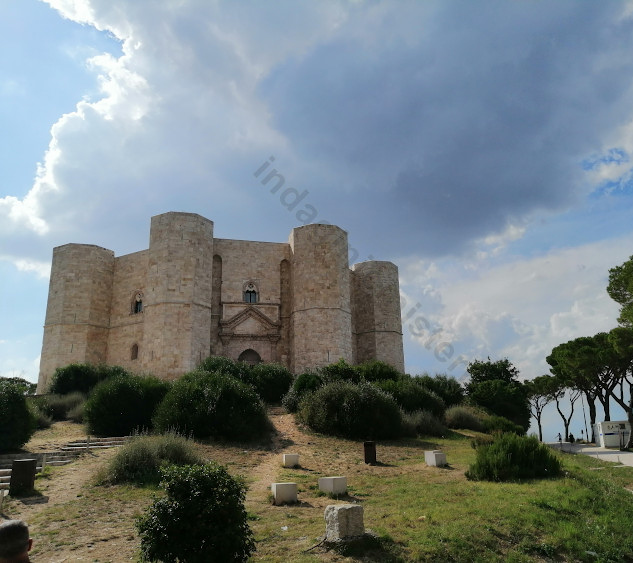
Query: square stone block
{"x": 343, "y": 521}
{"x": 291, "y": 460}
{"x": 284, "y": 492}
{"x": 333, "y": 485}
{"x": 435, "y": 458}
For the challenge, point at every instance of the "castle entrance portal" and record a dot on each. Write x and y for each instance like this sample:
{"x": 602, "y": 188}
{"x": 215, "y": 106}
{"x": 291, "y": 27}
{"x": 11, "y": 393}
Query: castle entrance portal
{"x": 250, "y": 357}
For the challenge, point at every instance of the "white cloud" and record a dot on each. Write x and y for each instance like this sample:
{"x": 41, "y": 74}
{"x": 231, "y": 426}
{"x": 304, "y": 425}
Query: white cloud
{"x": 524, "y": 307}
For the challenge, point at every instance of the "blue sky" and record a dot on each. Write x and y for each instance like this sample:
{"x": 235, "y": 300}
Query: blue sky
{"x": 483, "y": 147}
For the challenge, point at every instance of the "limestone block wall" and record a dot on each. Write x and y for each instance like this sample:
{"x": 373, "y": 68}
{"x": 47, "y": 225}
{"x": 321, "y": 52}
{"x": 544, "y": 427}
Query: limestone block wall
{"x": 78, "y": 309}
{"x": 312, "y": 309}
{"x": 177, "y": 298}
{"x": 126, "y": 326}
{"x": 321, "y": 320}
{"x": 377, "y": 319}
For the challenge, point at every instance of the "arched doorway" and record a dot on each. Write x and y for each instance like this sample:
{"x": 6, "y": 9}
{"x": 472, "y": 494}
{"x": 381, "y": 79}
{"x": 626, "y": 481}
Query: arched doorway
{"x": 250, "y": 357}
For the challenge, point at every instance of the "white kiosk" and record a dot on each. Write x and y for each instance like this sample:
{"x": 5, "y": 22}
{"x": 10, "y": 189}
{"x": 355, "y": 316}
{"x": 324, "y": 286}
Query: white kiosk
{"x": 612, "y": 433}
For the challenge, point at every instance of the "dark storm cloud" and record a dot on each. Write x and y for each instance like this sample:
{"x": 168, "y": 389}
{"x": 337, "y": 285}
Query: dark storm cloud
{"x": 446, "y": 122}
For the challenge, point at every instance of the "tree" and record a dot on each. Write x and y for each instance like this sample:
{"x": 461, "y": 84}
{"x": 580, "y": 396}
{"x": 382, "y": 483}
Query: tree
{"x": 591, "y": 365}
{"x": 620, "y": 289}
{"x": 486, "y": 371}
{"x": 621, "y": 340}
{"x": 540, "y": 393}
{"x": 27, "y": 387}
{"x": 495, "y": 387}
{"x": 560, "y": 389}
{"x": 448, "y": 388}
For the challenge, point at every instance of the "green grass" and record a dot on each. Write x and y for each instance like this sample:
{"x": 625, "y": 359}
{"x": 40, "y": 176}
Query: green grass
{"x": 418, "y": 513}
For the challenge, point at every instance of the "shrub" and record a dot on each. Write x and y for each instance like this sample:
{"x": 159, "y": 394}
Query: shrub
{"x": 122, "y": 404}
{"x": 17, "y": 421}
{"x": 340, "y": 371}
{"x": 220, "y": 364}
{"x": 42, "y": 420}
{"x": 271, "y": 381}
{"x": 356, "y": 411}
{"x": 304, "y": 383}
{"x": 463, "y": 417}
{"x": 422, "y": 423}
{"x": 495, "y": 423}
{"x": 413, "y": 397}
{"x": 201, "y": 519}
{"x": 511, "y": 457}
{"x": 82, "y": 377}
{"x": 377, "y": 371}
{"x": 448, "y": 388}
{"x": 58, "y": 406}
{"x": 212, "y": 405}
{"x": 141, "y": 458}
{"x": 76, "y": 414}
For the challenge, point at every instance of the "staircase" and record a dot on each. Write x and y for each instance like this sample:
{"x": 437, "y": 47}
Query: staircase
{"x": 66, "y": 454}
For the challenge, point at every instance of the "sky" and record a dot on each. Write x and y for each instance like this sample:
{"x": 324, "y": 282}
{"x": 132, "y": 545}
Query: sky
{"x": 484, "y": 147}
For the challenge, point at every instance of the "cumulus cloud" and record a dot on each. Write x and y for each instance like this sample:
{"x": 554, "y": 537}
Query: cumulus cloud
{"x": 520, "y": 309}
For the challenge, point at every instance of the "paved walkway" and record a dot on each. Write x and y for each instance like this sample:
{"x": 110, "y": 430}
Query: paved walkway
{"x": 605, "y": 454}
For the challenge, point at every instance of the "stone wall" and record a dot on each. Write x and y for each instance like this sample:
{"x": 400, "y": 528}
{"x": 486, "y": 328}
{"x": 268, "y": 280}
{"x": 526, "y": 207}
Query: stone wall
{"x": 321, "y": 320}
{"x": 78, "y": 308}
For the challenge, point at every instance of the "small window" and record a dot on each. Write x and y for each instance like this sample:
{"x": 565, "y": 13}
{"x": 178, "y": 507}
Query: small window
{"x": 137, "y": 304}
{"x": 134, "y": 352}
{"x": 250, "y": 293}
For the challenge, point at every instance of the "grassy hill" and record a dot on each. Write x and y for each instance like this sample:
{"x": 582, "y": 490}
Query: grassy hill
{"x": 419, "y": 513}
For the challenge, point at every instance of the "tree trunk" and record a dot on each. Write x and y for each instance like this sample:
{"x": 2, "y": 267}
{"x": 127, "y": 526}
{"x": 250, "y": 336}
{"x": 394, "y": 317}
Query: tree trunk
{"x": 540, "y": 429}
{"x": 592, "y": 419}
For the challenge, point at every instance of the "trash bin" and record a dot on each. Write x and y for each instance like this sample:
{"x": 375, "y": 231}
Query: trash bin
{"x": 370, "y": 452}
{"x": 22, "y": 476}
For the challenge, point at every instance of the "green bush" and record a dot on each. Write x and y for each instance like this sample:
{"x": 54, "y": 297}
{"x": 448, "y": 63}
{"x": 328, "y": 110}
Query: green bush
{"x": 271, "y": 381}
{"x": 339, "y": 371}
{"x": 82, "y": 377}
{"x": 501, "y": 424}
{"x": 448, "y": 388}
{"x": 76, "y": 414}
{"x": 511, "y": 457}
{"x": 377, "y": 371}
{"x": 413, "y": 397}
{"x": 464, "y": 417}
{"x": 422, "y": 423}
{"x": 357, "y": 411}
{"x": 17, "y": 421}
{"x": 42, "y": 420}
{"x": 304, "y": 383}
{"x": 123, "y": 404}
{"x": 202, "y": 519}
{"x": 220, "y": 364}
{"x": 57, "y": 406}
{"x": 212, "y": 405}
{"x": 141, "y": 458}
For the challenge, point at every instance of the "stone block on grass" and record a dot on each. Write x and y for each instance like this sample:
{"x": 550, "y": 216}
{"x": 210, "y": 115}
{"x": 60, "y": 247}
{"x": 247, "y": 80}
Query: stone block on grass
{"x": 291, "y": 460}
{"x": 284, "y": 493}
{"x": 333, "y": 485}
{"x": 435, "y": 458}
{"x": 343, "y": 522}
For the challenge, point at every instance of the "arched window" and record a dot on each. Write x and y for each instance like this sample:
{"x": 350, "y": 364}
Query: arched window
{"x": 250, "y": 293}
{"x": 137, "y": 303}
{"x": 134, "y": 352}
{"x": 250, "y": 357}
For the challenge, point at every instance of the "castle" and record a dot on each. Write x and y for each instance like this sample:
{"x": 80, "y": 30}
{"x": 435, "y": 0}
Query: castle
{"x": 190, "y": 295}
